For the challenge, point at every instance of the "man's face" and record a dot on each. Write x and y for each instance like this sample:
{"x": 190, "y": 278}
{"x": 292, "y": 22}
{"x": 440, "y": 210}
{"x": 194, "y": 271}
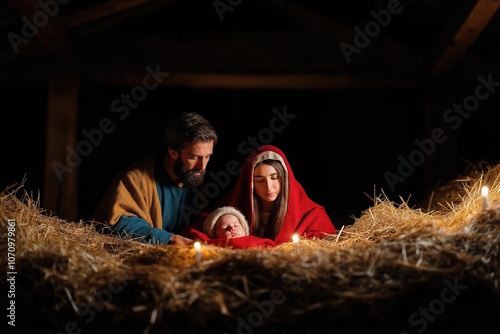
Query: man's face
{"x": 192, "y": 163}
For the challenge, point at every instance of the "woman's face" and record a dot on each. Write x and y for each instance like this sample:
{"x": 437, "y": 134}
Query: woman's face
{"x": 266, "y": 183}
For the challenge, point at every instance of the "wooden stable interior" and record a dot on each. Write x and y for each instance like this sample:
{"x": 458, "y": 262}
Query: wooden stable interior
{"x": 261, "y": 44}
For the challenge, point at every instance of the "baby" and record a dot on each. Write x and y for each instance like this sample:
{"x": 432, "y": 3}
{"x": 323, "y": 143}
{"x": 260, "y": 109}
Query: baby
{"x": 225, "y": 222}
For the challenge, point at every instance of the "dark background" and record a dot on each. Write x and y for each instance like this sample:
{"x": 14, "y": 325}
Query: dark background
{"x": 342, "y": 142}
{"x": 339, "y": 144}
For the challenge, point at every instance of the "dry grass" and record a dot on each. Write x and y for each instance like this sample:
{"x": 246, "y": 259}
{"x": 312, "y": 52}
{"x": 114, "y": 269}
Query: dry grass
{"x": 392, "y": 264}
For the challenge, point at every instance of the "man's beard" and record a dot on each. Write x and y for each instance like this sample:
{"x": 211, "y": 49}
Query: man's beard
{"x": 191, "y": 179}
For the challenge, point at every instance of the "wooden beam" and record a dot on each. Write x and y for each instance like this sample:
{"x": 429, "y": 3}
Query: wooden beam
{"x": 54, "y": 36}
{"x": 299, "y": 81}
{"x": 467, "y": 33}
{"x": 121, "y": 8}
{"x": 50, "y": 31}
{"x": 109, "y": 8}
{"x": 312, "y": 21}
{"x": 60, "y": 194}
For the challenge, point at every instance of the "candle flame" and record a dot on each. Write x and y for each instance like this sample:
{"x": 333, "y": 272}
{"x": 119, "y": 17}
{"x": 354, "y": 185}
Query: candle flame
{"x": 484, "y": 191}
{"x": 295, "y": 238}
{"x": 197, "y": 246}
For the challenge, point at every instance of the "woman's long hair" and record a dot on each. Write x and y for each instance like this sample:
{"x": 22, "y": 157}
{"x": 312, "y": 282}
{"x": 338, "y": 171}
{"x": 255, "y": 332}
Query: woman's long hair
{"x": 278, "y": 212}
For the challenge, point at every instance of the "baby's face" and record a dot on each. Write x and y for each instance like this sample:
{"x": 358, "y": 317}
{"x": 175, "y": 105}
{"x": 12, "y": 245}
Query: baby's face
{"x": 228, "y": 226}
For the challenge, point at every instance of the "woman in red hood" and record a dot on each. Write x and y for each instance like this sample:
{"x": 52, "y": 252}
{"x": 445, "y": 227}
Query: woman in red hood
{"x": 274, "y": 203}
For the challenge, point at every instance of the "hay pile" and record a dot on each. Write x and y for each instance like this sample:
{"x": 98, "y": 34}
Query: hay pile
{"x": 395, "y": 270}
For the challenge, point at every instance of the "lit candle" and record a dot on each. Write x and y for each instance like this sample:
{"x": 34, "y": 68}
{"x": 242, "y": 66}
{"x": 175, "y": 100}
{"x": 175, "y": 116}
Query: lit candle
{"x": 484, "y": 194}
{"x": 340, "y": 232}
{"x": 295, "y": 239}
{"x": 197, "y": 246}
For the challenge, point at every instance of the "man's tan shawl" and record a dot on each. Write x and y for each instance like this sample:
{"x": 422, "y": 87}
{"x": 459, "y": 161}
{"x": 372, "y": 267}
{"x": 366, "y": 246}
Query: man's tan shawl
{"x": 132, "y": 193}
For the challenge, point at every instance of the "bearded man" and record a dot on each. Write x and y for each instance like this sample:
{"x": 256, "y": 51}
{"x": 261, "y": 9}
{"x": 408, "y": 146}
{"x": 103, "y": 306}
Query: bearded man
{"x": 153, "y": 199}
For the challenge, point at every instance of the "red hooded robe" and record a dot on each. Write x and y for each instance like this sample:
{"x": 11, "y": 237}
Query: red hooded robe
{"x": 303, "y": 217}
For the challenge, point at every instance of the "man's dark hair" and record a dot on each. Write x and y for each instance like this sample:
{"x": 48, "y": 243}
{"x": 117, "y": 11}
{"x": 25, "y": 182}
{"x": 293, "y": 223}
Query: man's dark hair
{"x": 188, "y": 128}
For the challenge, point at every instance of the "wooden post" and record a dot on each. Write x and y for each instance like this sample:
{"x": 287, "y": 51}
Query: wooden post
{"x": 62, "y": 164}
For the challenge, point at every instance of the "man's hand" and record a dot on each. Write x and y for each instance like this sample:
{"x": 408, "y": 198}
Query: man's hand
{"x": 179, "y": 240}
